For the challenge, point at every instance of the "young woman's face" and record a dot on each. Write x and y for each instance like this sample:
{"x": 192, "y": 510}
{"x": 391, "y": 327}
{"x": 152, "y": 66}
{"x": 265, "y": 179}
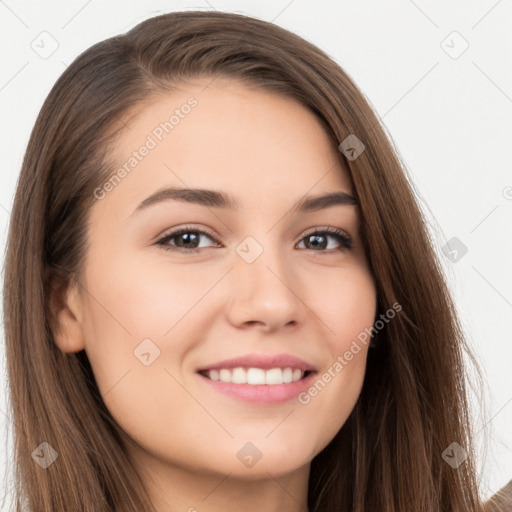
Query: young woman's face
{"x": 264, "y": 280}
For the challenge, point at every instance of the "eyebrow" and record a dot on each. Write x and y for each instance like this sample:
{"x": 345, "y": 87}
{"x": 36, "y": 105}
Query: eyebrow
{"x": 216, "y": 199}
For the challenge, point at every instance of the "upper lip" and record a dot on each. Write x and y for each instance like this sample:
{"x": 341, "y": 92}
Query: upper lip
{"x": 266, "y": 362}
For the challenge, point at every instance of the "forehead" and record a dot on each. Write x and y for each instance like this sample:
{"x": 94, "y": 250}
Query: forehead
{"x": 224, "y": 135}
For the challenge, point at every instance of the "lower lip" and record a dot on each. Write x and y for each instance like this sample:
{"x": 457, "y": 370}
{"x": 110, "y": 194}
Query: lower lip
{"x": 264, "y": 393}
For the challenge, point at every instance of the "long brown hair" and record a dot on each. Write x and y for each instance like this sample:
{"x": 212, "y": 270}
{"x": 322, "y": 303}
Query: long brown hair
{"x": 413, "y": 404}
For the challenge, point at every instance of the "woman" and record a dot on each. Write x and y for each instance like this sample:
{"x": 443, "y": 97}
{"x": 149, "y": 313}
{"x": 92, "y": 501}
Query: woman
{"x": 305, "y": 356}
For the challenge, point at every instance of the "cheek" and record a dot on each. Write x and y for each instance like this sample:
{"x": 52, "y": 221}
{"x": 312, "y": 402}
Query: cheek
{"x": 136, "y": 308}
{"x": 347, "y": 305}
{"x": 347, "y": 308}
{"x": 131, "y": 308}
{"x": 146, "y": 299}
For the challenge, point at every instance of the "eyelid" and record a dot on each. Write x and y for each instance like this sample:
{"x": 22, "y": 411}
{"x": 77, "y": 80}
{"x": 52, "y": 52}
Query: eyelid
{"x": 327, "y": 229}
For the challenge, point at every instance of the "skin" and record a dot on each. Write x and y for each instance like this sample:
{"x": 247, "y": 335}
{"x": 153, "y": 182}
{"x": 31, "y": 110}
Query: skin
{"x": 202, "y": 307}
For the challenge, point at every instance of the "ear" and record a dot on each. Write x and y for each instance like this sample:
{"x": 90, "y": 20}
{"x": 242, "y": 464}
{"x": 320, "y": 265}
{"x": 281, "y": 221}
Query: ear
{"x": 65, "y": 304}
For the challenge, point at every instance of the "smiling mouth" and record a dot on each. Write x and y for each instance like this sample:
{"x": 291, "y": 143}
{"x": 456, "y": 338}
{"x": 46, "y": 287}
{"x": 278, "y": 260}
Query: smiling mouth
{"x": 256, "y": 376}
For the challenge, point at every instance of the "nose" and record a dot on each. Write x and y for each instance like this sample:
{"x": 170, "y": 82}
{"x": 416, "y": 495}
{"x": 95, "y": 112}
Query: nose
{"x": 265, "y": 293}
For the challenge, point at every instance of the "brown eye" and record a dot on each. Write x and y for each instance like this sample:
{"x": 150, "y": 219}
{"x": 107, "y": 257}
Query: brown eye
{"x": 186, "y": 239}
{"x": 318, "y": 240}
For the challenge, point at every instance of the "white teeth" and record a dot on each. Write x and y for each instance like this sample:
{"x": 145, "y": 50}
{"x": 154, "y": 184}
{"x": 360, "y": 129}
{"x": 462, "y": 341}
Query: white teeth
{"x": 274, "y": 376}
{"x": 239, "y": 376}
{"x": 256, "y": 376}
{"x": 214, "y": 374}
{"x": 224, "y": 375}
{"x": 287, "y": 375}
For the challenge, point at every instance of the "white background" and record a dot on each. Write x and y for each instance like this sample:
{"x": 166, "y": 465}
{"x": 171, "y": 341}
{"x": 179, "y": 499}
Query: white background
{"x": 450, "y": 119}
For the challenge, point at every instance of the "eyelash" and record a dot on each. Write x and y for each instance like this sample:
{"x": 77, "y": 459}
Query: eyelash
{"x": 344, "y": 240}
